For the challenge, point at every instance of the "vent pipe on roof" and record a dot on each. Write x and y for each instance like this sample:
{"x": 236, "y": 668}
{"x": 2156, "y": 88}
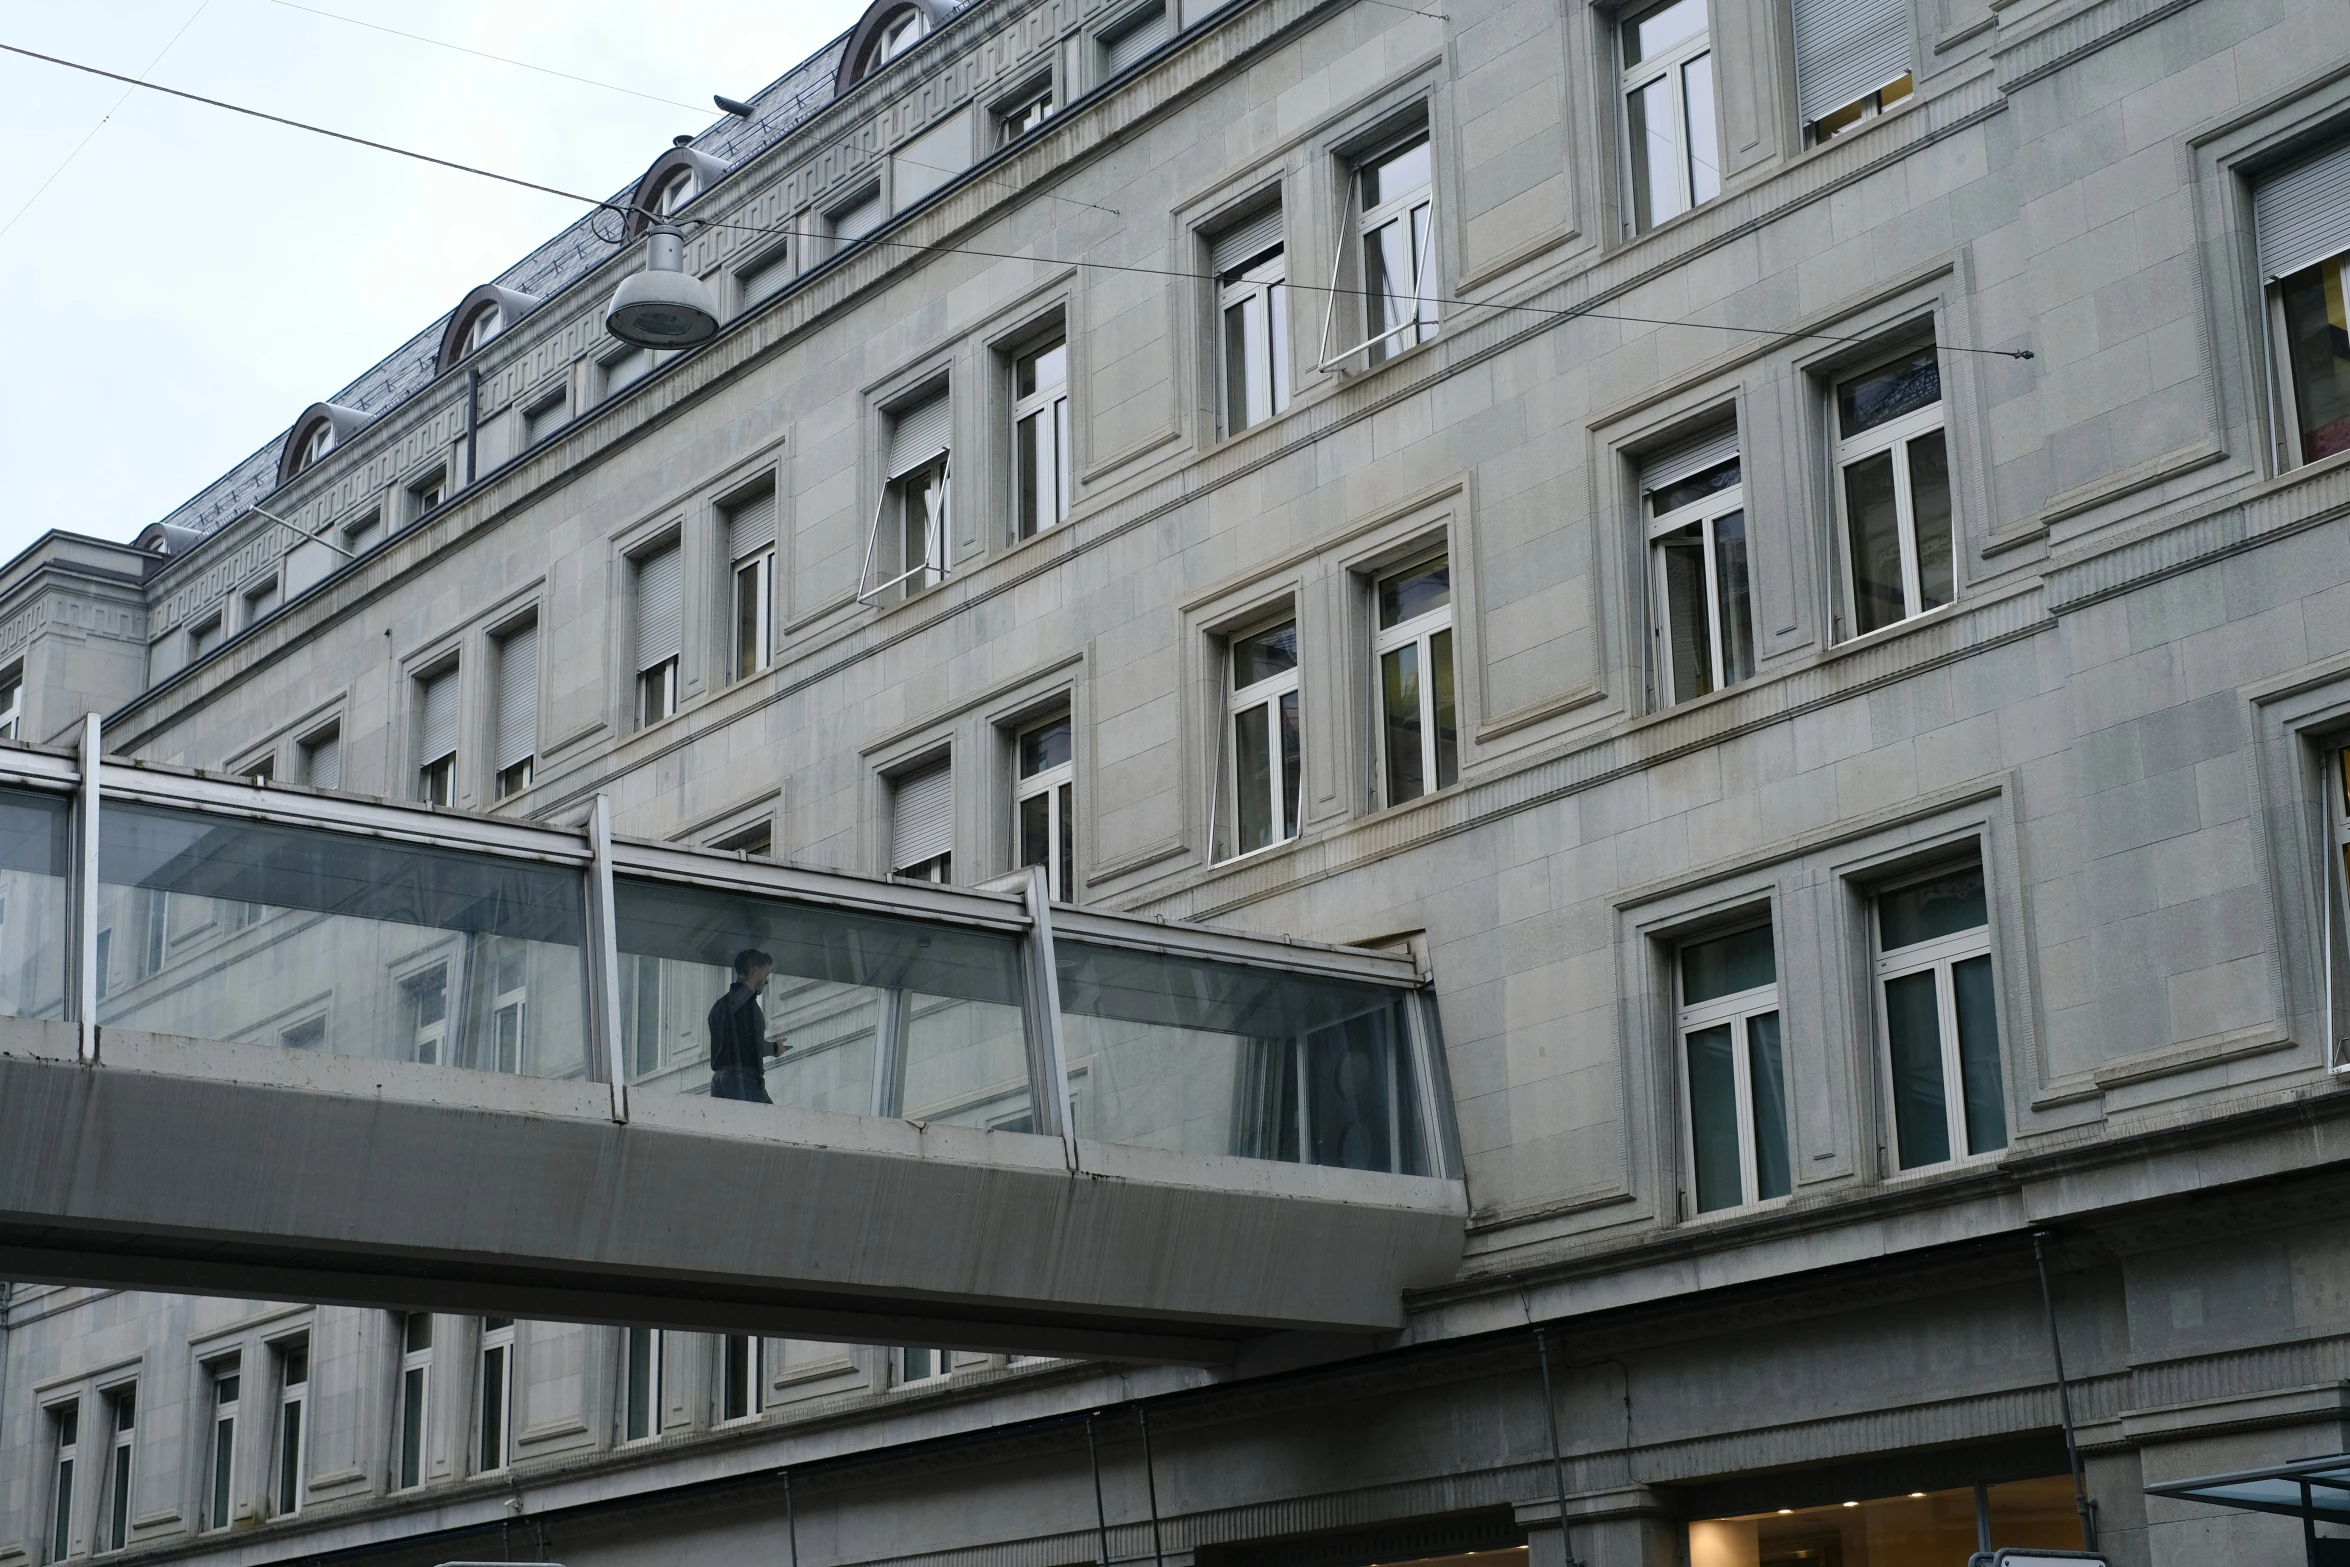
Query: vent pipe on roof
{"x": 662, "y": 306}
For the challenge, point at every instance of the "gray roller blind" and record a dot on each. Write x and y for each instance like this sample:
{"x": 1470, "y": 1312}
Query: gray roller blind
{"x": 767, "y": 274}
{"x": 919, "y": 433}
{"x": 922, "y": 816}
{"x": 1663, "y": 469}
{"x": 437, "y": 730}
{"x": 860, "y": 219}
{"x": 1245, "y": 241}
{"x": 518, "y": 696}
{"x": 326, "y": 761}
{"x": 2302, "y": 214}
{"x": 660, "y": 607}
{"x": 750, "y": 526}
{"x": 1845, "y": 49}
{"x": 1123, "y": 49}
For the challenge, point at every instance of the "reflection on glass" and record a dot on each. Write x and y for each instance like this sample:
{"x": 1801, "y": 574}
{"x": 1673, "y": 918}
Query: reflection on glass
{"x": 1448, "y": 728}
{"x": 1978, "y": 1056}
{"x": 1399, "y": 683}
{"x": 1773, "y": 1175}
{"x": 1872, "y": 514}
{"x": 1253, "y": 754}
{"x": 405, "y": 952}
{"x": 1927, "y": 909}
{"x": 1726, "y": 965}
{"x": 1410, "y": 594}
{"x": 1659, "y": 30}
{"x": 1656, "y": 184}
{"x": 36, "y": 837}
{"x": 1713, "y": 1115}
{"x": 1224, "y": 1058}
{"x": 1914, "y": 1035}
{"x": 870, "y": 1015}
{"x": 2317, "y": 342}
{"x": 1697, "y": 83}
{"x": 1736, "y": 598}
{"x": 1924, "y": 1526}
{"x": 1689, "y": 653}
{"x": 1929, "y": 505}
{"x": 1888, "y": 392}
{"x": 1248, "y": 398}
{"x": 1388, "y": 281}
{"x": 1398, "y": 173}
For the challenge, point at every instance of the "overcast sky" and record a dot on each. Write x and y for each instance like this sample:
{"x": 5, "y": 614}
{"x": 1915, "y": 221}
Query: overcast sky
{"x": 192, "y": 279}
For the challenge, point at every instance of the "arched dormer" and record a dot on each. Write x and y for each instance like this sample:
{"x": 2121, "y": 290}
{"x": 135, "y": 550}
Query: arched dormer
{"x": 888, "y": 29}
{"x": 676, "y": 178}
{"x": 480, "y": 316}
{"x": 322, "y": 428}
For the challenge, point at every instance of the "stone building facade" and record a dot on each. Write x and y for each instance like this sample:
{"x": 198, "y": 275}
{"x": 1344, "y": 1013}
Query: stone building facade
{"x": 1794, "y": 552}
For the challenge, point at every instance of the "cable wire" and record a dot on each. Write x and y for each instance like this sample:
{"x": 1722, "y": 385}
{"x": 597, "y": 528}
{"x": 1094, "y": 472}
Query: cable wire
{"x": 1560, "y": 313}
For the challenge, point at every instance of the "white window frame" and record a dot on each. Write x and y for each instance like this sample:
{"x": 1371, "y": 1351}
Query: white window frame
{"x": 753, "y": 576}
{"x": 260, "y": 598}
{"x": 1363, "y": 225}
{"x": 412, "y": 1403}
{"x": 122, "y": 1463}
{"x": 677, "y": 192}
{"x": 1057, "y": 785}
{"x": 1421, "y": 629}
{"x": 2286, "y": 405}
{"x": 1739, "y": 1009}
{"x": 509, "y": 1008}
{"x": 1046, "y": 408}
{"x": 2334, "y": 784}
{"x": 12, "y": 708}
{"x": 494, "y": 1429}
{"x": 426, "y": 493}
{"x": 1025, "y": 113}
{"x": 745, "y": 1373}
{"x": 654, "y": 1350}
{"x": 220, "y": 1447}
{"x": 429, "y": 1042}
{"x": 308, "y": 747}
{"x": 937, "y": 529}
{"x": 1708, "y": 512}
{"x": 321, "y": 441}
{"x": 293, "y": 1405}
{"x": 1937, "y": 955}
{"x": 1262, "y": 288}
{"x": 1883, "y": 100}
{"x": 942, "y": 1363}
{"x": 1671, "y": 67}
{"x": 486, "y": 324}
{"x": 1242, "y": 700}
{"x": 65, "y": 1436}
{"x": 1894, "y": 436}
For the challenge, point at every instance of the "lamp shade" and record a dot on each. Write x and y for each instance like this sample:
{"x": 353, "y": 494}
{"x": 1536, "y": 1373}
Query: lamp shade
{"x": 662, "y": 306}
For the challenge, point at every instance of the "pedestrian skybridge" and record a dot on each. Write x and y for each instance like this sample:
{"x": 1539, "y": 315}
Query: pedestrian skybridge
{"x": 263, "y": 1041}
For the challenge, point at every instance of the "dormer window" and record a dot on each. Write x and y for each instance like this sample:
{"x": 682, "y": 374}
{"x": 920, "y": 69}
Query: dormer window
{"x": 682, "y": 188}
{"x": 321, "y": 441}
{"x": 900, "y": 33}
{"x": 487, "y": 323}
{"x": 888, "y": 29}
{"x": 322, "y": 428}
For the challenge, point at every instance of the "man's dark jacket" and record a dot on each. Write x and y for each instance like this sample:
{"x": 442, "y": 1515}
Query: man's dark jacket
{"x": 738, "y": 1032}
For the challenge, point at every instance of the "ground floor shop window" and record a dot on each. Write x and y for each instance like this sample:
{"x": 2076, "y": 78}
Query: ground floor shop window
{"x": 1920, "y": 1529}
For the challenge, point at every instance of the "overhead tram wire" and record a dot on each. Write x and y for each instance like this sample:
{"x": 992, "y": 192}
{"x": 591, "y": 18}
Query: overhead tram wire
{"x": 1560, "y": 313}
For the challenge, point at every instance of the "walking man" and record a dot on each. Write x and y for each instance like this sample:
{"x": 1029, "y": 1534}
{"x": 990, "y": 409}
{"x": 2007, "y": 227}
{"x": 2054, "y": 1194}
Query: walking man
{"x": 738, "y": 1032}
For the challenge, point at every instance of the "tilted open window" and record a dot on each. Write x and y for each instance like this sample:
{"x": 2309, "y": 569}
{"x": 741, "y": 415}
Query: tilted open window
{"x": 909, "y": 538}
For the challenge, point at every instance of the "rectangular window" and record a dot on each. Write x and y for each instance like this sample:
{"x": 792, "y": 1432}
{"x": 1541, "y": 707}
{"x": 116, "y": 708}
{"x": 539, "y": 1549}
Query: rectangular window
{"x": 860, "y": 216}
{"x": 1940, "y": 1018}
{"x": 260, "y": 770}
{"x": 640, "y": 1012}
{"x": 122, "y": 1405}
{"x": 2335, "y": 786}
{"x": 509, "y": 971}
{"x": 1252, "y": 321}
{"x": 11, "y": 703}
{"x": 495, "y": 1403}
{"x": 910, "y": 536}
{"x": 1025, "y": 113}
{"x": 750, "y": 547}
{"x": 308, "y": 1034}
{"x": 1851, "y": 62}
{"x": 518, "y": 709}
{"x": 641, "y": 1411}
{"x": 1044, "y": 804}
{"x": 424, "y": 998}
{"x": 203, "y": 638}
{"x": 922, "y": 823}
{"x": 1950, "y": 1525}
{"x": 1728, "y": 1023}
{"x": 758, "y": 838}
{"x": 321, "y": 757}
{"x": 1893, "y": 490}
{"x": 65, "y": 1429}
{"x": 415, "y": 1399}
{"x": 362, "y": 534}
{"x": 436, "y": 737}
{"x": 1395, "y": 231}
{"x": 1134, "y": 37}
{"x": 426, "y": 492}
{"x": 1702, "y": 601}
{"x": 1670, "y": 141}
{"x": 221, "y": 1490}
{"x": 293, "y": 1428}
{"x": 2303, "y": 223}
{"x": 261, "y": 598}
{"x": 544, "y": 417}
{"x": 660, "y": 631}
{"x": 1266, "y": 768}
{"x": 1419, "y": 722}
{"x": 765, "y": 275}
{"x": 742, "y": 1376}
{"x": 624, "y": 370}
{"x": 924, "y": 1365}
{"x": 1040, "y": 437}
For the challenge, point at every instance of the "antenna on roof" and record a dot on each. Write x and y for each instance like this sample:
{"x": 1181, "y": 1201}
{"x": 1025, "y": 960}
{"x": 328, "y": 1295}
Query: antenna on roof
{"x": 741, "y": 111}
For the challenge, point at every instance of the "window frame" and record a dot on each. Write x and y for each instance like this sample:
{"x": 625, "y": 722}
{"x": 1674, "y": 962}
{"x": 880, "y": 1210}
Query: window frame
{"x": 1706, "y": 513}
{"x": 121, "y": 1464}
{"x": 1937, "y": 955}
{"x": 1262, "y": 281}
{"x": 1421, "y": 630}
{"x": 412, "y": 1402}
{"x": 1262, "y": 695}
{"x": 1057, "y": 786}
{"x": 427, "y": 491}
{"x": 1012, "y": 114}
{"x": 1049, "y": 402}
{"x": 2291, "y": 437}
{"x": 759, "y": 564}
{"x": 901, "y": 1364}
{"x": 2334, "y": 788}
{"x": 1737, "y": 1009}
{"x": 206, "y": 636}
{"x": 746, "y": 1375}
{"x": 1358, "y": 224}
{"x": 655, "y": 689}
{"x": 224, "y": 1383}
{"x": 1671, "y": 66}
{"x": 648, "y": 1360}
{"x": 12, "y": 709}
{"x": 938, "y": 530}
{"x": 293, "y": 1403}
{"x": 65, "y": 1433}
{"x": 307, "y": 748}
{"x": 494, "y": 1426}
{"x": 1894, "y": 436}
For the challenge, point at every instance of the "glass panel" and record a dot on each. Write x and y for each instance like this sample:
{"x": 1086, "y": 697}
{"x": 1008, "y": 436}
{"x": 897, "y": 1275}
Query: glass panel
{"x": 1247, "y": 378}
{"x": 1648, "y": 36}
{"x": 1388, "y": 289}
{"x": 1767, "y": 1077}
{"x": 224, "y": 1455}
{"x": 1036, "y": 829}
{"x": 1252, "y": 758}
{"x": 1929, "y": 511}
{"x": 1410, "y": 594}
{"x": 1923, "y": 1527}
{"x": 1873, "y": 519}
{"x": 1889, "y": 391}
{"x": 1291, "y": 770}
{"x": 1044, "y": 747}
{"x": 412, "y": 952}
{"x": 863, "y": 1013}
{"x": 1064, "y": 872}
{"x": 289, "y": 1458}
{"x": 1697, "y": 98}
{"x": 2035, "y": 1513}
{"x": 640, "y": 1383}
{"x": 62, "y": 1534}
{"x": 2317, "y": 341}
{"x": 1725, "y": 965}
{"x": 1648, "y": 131}
{"x": 1225, "y": 1058}
{"x": 1696, "y": 487}
{"x": 412, "y": 1427}
{"x": 1399, "y": 684}
{"x": 36, "y": 836}
{"x": 1941, "y": 907}
{"x": 1689, "y": 654}
{"x": 1027, "y": 436}
{"x": 1978, "y": 1056}
{"x": 119, "y": 1531}
{"x": 1913, "y": 1031}
{"x": 1396, "y": 173}
{"x": 417, "y": 1331}
{"x": 1264, "y": 655}
{"x": 1713, "y": 1119}
{"x": 1734, "y": 598}
{"x": 1277, "y": 297}
{"x": 493, "y": 1408}
{"x": 1448, "y": 728}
